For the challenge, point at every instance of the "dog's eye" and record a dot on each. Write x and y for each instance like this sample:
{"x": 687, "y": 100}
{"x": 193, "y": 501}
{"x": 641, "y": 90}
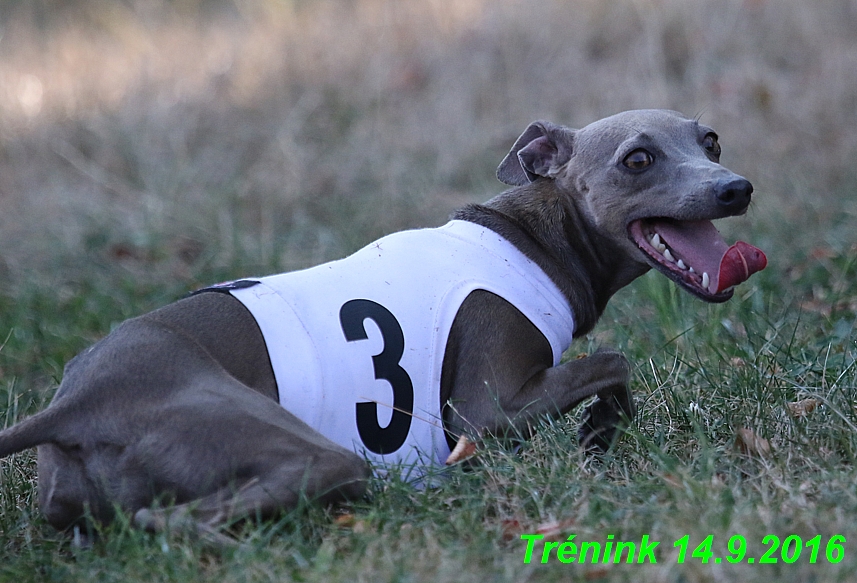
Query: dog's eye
{"x": 711, "y": 145}
{"x": 638, "y": 160}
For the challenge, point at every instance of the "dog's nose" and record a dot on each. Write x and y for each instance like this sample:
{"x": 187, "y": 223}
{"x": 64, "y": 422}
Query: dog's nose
{"x": 734, "y": 195}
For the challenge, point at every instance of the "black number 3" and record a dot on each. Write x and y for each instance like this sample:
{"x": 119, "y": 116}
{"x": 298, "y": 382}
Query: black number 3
{"x": 379, "y": 439}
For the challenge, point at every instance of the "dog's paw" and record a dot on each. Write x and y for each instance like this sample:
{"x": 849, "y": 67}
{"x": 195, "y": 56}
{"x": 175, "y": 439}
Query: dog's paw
{"x": 604, "y": 421}
{"x": 179, "y": 520}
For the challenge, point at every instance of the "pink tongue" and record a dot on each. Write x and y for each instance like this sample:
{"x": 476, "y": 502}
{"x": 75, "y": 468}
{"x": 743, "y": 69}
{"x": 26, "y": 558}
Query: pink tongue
{"x": 739, "y": 262}
{"x": 700, "y": 245}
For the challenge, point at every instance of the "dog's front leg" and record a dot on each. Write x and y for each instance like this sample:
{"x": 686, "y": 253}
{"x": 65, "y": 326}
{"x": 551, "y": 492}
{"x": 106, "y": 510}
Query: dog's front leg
{"x": 559, "y": 389}
{"x": 553, "y": 391}
{"x": 604, "y": 420}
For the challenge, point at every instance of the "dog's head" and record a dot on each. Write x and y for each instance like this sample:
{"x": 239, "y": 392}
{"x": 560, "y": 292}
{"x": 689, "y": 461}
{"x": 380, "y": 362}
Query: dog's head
{"x": 651, "y": 181}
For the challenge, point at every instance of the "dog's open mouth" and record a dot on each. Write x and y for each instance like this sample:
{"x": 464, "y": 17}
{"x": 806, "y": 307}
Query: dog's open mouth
{"x": 693, "y": 254}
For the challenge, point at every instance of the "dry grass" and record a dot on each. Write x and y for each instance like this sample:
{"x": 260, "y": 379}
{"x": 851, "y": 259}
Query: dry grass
{"x": 147, "y": 147}
{"x": 274, "y": 132}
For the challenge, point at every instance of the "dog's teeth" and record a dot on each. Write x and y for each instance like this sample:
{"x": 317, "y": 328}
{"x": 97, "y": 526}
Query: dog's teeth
{"x": 669, "y": 256}
{"x": 656, "y": 240}
{"x": 705, "y": 280}
{"x": 681, "y": 264}
{"x": 690, "y": 269}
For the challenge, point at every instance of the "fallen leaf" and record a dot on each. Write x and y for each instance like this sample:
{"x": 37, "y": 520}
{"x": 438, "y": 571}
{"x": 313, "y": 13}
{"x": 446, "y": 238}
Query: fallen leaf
{"x": 672, "y": 480}
{"x": 803, "y": 407}
{"x": 750, "y": 443}
{"x": 822, "y": 253}
{"x": 511, "y": 529}
{"x": 351, "y": 521}
{"x": 555, "y": 529}
{"x": 345, "y": 520}
{"x": 463, "y": 450}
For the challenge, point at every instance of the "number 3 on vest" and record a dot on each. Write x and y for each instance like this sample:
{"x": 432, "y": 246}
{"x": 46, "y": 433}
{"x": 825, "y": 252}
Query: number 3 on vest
{"x": 381, "y": 440}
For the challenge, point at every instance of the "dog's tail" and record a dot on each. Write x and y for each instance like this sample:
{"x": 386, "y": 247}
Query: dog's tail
{"x": 32, "y": 431}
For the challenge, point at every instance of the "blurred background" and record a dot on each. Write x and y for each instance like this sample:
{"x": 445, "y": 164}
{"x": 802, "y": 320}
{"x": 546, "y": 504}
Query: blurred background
{"x": 163, "y": 145}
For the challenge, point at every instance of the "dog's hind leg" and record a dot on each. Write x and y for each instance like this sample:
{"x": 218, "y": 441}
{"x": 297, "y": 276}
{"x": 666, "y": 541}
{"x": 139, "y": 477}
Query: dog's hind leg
{"x": 323, "y": 473}
{"x": 66, "y": 494}
{"x": 227, "y": 453}
{"x": 173, "y": 426}
{"x": 221, "y": 455}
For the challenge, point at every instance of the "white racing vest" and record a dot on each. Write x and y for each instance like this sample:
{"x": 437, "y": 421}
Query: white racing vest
{"x": 357, "y": 344}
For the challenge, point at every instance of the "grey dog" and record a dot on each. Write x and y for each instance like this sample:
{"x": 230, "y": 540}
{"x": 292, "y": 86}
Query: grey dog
{"x": 183, "y": 405}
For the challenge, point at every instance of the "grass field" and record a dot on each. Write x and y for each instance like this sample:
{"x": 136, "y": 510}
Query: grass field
{"x": 151, "y": 147}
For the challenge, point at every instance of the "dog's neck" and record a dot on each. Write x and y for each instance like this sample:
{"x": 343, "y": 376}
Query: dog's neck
{"x": 552, "y": 231}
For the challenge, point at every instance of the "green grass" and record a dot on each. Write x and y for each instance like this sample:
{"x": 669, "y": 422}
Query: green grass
{"x": 149, "y": 148}
{"x": 701, "y": 373}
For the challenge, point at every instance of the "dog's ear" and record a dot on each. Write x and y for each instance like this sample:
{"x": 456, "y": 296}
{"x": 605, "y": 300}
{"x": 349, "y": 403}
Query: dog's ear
{"x": 542, "y": 150}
